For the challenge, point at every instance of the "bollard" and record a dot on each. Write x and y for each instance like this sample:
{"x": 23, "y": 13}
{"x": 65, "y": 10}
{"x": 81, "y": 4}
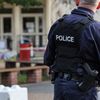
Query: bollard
{"x": 15, "y": 92}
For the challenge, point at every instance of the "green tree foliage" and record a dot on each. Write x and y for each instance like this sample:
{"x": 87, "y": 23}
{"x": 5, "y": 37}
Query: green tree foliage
{"x": 23, "y": 2}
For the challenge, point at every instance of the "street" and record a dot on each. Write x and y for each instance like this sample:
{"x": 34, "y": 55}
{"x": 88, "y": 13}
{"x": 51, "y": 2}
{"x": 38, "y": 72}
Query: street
{"x": 40, "y": 91}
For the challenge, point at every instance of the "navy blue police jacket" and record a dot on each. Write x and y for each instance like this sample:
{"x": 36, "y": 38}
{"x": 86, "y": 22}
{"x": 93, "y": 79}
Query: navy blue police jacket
{"x": 87, "y": 45}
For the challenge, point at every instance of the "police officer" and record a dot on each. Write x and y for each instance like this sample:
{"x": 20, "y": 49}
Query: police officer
{"x": 72, "y": 40}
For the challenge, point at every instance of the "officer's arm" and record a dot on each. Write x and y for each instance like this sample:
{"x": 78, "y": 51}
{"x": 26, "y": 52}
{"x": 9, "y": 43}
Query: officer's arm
{"x": 49, "y": 55}
{"x": 96, "y": 35}
{"x": 97, "y": 39}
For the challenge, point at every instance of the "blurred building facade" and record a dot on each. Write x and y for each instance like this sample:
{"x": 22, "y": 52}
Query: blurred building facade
{"x": 17, "y": 22}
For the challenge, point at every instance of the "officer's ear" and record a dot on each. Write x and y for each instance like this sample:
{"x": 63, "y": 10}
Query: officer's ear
{"x": 77, "y": 2}
{"x": 98, "y": 6}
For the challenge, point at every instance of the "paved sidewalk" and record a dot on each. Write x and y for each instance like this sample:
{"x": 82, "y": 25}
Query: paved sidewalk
{"x": 40, "y": 91}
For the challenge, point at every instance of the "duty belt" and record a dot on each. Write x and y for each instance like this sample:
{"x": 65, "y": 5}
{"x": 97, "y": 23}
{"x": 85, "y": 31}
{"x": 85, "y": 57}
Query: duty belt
{"x": 68, "y": 76}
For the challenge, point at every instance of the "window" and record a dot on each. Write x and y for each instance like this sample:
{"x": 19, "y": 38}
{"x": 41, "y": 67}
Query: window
{"x": 40, "y": 24}
{"x": 29, "y": 39}
{"x": 40, "y": 41}
{"x": 5, "y": 10}
{"x": 8, "y": 42}
{"x": 32, "y": 28}
{"x": 33, "y": 41}
{"x": 29, "y": 25}
{"x": 7, "y": 25}
{"x": 32, "y": 10}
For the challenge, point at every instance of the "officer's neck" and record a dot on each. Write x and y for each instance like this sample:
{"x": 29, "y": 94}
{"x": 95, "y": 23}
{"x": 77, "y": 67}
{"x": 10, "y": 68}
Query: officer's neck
{"x": 91, "y": 7}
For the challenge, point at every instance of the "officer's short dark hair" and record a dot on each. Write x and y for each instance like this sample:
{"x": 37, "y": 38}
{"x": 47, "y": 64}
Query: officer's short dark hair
{"x": 90, "y": 1}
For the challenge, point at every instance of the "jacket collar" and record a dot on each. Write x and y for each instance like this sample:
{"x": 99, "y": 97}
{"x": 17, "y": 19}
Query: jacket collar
{"x": 83, "y": 11}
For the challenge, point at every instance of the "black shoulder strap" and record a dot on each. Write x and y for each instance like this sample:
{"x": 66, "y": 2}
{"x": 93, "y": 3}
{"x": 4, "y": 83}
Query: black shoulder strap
{"x": 96, "y": 46}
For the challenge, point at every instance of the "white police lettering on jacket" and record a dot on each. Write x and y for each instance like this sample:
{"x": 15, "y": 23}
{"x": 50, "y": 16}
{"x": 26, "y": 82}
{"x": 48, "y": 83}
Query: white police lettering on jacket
{"x": 65, "y": 38}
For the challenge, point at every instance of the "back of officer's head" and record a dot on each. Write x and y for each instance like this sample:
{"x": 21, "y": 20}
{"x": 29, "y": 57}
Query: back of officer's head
{"x": 90, "y": 4}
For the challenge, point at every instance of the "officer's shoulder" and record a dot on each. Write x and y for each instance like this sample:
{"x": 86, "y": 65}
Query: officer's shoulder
{"x": 95, "y": 25}
{"x": 54, "y": 24}
{"x": 59, "y": 21}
